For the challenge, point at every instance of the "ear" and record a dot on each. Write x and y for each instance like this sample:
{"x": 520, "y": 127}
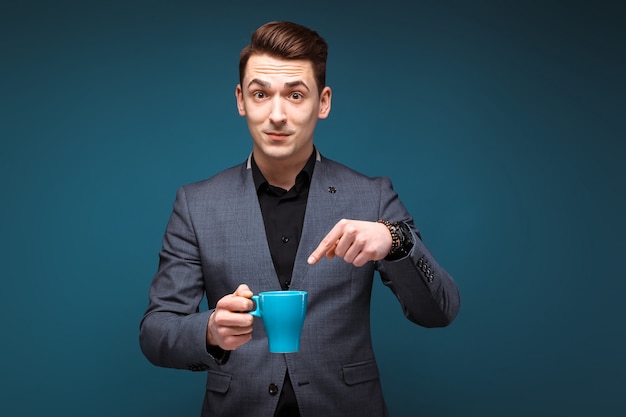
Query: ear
{"x": 239, "y": 95}
{"x": 325, "y": 99}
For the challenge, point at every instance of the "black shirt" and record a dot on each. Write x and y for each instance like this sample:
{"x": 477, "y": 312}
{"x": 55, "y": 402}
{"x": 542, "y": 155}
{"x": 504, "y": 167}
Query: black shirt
{"x": 283, "y": 216}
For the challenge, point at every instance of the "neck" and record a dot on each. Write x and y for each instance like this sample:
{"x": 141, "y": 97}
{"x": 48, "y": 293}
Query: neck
{"x": 281, "y": 173}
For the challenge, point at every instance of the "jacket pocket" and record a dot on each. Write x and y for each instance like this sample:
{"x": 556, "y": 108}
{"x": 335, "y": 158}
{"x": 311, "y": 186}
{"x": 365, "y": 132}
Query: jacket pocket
{"x": 356, "y": 373}
{"x": 218, "y": 381}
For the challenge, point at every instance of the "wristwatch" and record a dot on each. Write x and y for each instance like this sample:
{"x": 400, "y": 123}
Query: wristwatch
{"x": 401, "y": 239}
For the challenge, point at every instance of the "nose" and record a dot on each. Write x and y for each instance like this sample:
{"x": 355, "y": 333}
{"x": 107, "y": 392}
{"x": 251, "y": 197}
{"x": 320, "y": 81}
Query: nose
{"x": 277, "y": 112}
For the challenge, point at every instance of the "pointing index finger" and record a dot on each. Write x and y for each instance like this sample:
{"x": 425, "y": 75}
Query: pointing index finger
{"x": 326, "y": 246}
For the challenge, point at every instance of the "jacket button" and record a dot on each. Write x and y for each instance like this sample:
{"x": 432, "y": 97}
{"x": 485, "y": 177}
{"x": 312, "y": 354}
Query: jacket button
{"x": 273, "y": 389}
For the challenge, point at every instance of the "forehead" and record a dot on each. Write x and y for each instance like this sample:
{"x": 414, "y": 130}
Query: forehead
{"x": 269, "y": 67}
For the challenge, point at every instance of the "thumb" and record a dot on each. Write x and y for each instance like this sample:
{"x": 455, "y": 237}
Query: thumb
{"x": 243, "y": 291}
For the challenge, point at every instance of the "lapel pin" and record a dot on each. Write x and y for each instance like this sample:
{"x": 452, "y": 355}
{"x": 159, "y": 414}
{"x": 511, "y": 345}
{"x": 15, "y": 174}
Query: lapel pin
{"x": 332, "y": 189}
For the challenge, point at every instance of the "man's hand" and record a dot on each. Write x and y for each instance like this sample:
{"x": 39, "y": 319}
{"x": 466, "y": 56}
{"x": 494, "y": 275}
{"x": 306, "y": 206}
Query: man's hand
{"x": 230, "y": 325}
{"x": 356, "y": 241}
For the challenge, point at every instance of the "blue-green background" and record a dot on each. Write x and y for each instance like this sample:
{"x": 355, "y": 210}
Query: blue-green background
{"x": 500, "y": 124}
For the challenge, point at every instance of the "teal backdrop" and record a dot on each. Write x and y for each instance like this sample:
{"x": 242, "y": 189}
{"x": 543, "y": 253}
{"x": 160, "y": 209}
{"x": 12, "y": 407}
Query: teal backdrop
{"x": 500, "y": 123}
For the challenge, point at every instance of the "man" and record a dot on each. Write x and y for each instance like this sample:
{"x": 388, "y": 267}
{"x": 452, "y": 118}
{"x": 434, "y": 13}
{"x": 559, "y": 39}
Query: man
{"x": 287, "y": 218}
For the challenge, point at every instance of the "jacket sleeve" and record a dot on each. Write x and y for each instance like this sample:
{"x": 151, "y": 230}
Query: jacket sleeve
{"x": 427, "y": 293}
{"x": 173, "y": 330}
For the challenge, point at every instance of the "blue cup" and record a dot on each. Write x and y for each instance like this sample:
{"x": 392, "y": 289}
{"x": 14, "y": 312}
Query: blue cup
{"x": 283, "y": 315}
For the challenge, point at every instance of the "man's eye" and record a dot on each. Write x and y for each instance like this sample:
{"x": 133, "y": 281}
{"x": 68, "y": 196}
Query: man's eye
{"x": 258, "y": 94}
{"x": 296, "y": 96}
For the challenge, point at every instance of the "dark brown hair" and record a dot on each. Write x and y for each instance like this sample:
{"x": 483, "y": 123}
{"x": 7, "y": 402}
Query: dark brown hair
{"x": 287, "y": 40}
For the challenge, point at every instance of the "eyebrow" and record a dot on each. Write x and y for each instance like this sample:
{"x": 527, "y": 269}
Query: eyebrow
{"x": 267, "y": 84}
{"x": 296, "y": 84}
{"x": 262, "y": 83}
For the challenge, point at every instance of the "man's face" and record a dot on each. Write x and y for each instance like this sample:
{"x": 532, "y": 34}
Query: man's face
{"x": 281, "y": 103}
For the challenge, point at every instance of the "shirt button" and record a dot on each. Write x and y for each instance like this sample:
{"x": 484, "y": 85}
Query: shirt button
{"x": 285, "y": 239}
{"x": 273, "y": 389}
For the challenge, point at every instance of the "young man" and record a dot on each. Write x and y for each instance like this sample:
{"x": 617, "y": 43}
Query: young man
{"x": 287, "y": 218}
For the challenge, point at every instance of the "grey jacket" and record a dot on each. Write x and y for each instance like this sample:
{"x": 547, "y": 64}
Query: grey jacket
{"x": 215, "y": 240}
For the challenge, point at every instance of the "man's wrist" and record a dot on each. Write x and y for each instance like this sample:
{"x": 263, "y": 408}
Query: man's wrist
{"x": 401, "y": 240}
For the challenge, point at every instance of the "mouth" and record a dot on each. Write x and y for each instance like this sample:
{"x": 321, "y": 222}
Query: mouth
{"x": 277, "y": 136}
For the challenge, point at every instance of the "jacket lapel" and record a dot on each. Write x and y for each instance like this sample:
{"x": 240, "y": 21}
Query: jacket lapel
{"x": 319, "y": 219}
{"x": 250, "y": 223}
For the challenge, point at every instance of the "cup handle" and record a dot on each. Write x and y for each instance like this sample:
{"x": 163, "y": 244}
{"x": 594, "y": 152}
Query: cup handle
{"x": 256, "y": 312}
